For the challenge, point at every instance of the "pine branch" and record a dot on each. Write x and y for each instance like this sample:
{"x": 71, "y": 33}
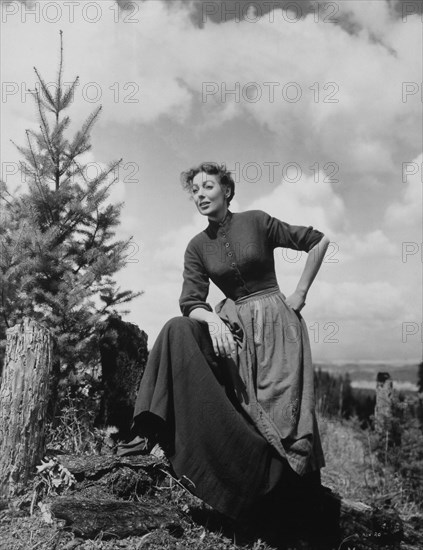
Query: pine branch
{"x": 59, "y": 79}
{"x": 43, "y": 120}
{"x": 39, "y": 185}
{"x": 80, "y": 138}
{"x": 67, "y": 98}
{"x": 71, "y": 221}
{"x": 26, "y": 153}
{"x": 88, "y": 246}
{"x": 59, "y": 129}
{"x": 119, "y": 298}
{"x": 3, "y": 192}
{"x": 46, "y": 93}
{"x": 3, "y": 189}
{"x": 111, "y": 169}
{"x": 80, "y": 171}
{"x": 45, "y": 104}
{"x": 66, "y": 165}
{"x": 96, "y": 181}
{"x": 45, "y": 131}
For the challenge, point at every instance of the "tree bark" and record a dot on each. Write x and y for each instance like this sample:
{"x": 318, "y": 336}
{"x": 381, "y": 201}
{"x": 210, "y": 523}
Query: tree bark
{"x": 385, "y": 426}
{"x": 115, "y": 518}
{"x": 123, "y": 349}
{"x": 384, "y": 400}
{"x": 23, "y": 404}
{"x": 94, "y": 466}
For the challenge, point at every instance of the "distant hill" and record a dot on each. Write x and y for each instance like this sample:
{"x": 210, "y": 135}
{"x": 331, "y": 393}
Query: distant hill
{"x": 363, "y": 373}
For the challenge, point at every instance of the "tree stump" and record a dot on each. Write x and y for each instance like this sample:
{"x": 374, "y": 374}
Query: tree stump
{"x": 123, "y": 349}
{"x": 23, "y": 403}
{"x": 384, "y": 406}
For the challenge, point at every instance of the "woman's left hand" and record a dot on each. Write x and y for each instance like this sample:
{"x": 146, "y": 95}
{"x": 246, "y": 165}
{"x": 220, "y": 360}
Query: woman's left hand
{"x": 296, "y": 301}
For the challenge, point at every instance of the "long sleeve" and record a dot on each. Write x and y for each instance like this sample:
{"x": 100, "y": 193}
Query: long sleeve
{"x": 196, "y": 283}
{"x": 297, "y": 237}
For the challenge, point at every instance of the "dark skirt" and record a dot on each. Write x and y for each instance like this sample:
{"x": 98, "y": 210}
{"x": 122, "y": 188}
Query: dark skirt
{"x": 187, "y": 402}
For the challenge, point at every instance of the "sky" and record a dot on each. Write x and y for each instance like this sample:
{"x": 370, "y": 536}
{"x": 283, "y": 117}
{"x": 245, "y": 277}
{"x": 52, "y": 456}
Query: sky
{"x": 315, "y": 107}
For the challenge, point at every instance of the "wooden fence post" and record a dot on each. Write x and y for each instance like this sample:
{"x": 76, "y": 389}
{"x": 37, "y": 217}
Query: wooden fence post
{"x": 384, "y": 405}
{"x": 23, "y": 403}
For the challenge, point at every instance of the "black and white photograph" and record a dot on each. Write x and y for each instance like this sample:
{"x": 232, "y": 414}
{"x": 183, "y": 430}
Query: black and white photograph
{"x": 211, "y": 285}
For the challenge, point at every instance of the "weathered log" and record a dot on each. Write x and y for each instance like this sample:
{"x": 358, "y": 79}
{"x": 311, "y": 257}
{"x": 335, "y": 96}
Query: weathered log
{"x": 335, "y": 519}
{"x": 113, "y": 476}
{"x": 23, "y": 404}
{"x": 94, "y": 466}
{"x": 364, "y": 526}
{"x": 123, "y": 350}
{"x": 413, "y": 532}
{"x": 368, "y": 527}
{"x": 115, "y": 518}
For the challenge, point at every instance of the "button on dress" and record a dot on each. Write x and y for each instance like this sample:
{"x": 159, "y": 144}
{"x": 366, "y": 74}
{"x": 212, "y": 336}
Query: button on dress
{"x": 231, "y": 425}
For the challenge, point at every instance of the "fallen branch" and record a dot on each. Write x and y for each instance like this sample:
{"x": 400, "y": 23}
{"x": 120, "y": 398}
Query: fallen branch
{"x": 115, "y": 518}
{"x": 93, "y": 466}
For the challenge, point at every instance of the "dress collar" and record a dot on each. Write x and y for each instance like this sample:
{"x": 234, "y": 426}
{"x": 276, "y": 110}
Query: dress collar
{"x": 215, "y": 225}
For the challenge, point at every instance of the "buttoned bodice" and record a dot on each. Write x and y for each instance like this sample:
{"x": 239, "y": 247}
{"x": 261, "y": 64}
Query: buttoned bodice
{"x": 237, "y": 255}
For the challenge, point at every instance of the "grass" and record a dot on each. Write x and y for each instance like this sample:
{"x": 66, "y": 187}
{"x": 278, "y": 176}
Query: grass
{"x": 18, "y": 531}
{"x": 352, "y": 470}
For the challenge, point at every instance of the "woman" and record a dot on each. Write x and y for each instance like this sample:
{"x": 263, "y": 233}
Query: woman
{"x": 229, "y": 394}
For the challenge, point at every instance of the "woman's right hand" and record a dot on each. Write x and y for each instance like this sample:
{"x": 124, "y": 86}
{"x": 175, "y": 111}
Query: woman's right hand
{"x": 220, "y": 334}
{"x": 221, "y": 337}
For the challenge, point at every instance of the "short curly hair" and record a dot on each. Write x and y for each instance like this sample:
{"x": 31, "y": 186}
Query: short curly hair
{"x": 211, "y": 168}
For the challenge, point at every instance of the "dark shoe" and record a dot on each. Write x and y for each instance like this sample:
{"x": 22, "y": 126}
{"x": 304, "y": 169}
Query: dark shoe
{"x": 138, "y": 446}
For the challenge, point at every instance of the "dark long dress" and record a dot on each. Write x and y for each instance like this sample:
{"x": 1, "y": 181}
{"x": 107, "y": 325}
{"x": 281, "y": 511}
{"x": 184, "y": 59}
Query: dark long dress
{"x": 235, "y": 430}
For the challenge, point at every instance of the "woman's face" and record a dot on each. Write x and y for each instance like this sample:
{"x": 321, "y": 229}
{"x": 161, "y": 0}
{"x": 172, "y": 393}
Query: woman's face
{"x": 209, "y": 196}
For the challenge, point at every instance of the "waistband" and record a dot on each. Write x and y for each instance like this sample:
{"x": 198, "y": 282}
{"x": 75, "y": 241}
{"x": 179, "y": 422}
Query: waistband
{"x": 259, "y": 294}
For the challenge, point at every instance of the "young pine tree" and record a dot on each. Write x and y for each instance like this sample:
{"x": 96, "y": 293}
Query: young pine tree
{"x": 58, "y": 247}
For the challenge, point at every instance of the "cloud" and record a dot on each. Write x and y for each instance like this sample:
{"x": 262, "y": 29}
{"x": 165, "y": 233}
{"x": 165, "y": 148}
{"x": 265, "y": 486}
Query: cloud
{"x": 318, "y": 92}
{"x": 406, "y": 211}
{"x": 369, "y": 246}
{"x": 374, "y": 302}
{"x": 374, "y": 18}
{"x": 349, "y": 107}
{"x": 305, "y": 203}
